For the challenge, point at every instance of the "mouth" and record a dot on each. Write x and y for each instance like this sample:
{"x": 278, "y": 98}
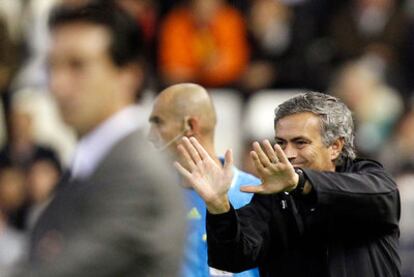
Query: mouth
{"x": 297, "y": 164}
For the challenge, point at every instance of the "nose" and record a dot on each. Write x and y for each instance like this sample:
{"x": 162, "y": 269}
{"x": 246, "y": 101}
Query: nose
{"x": 290, "y": 152}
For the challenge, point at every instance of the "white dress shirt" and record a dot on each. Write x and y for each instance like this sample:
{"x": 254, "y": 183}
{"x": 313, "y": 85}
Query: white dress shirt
{"x": 95, "y": 145}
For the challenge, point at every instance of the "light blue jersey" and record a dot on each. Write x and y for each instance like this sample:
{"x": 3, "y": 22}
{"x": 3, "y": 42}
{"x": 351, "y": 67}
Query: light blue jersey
{"x": 195, "y": 257}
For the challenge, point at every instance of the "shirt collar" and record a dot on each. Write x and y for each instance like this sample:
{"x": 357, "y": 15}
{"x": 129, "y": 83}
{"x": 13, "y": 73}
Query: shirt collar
{"x": 97, "y": 143}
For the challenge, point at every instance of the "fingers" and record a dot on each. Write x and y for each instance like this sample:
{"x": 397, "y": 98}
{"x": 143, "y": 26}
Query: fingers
{"x": 261, "y": 155}
{"x": 193, "y": 153}
{"x": 183, "y": 171}
{"x": 280, "y": 154}
{"x": 228, "y": 160}
{"x": 266, "y": 156}
{"x": 270, "y": 152}
{"x": 187, "y": 158}
{"x": 201, "y": 151}
{"x": 256, "y": 161}
{"x": 187, "y": 175}
{"x": 253, "y": 189}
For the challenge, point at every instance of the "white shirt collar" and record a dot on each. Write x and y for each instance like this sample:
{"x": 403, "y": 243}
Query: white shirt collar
{"x": 93, "y": 146}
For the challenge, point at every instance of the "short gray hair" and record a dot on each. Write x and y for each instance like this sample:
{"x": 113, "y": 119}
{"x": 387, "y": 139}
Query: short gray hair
{"x": 336, "y": 119}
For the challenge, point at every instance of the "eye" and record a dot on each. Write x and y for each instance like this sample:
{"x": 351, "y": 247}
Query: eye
{"x": 155, "y": 120}
{"x": 281, "y": 143}
{"x": 77, "y": 64}
{"x": 301, "y": 143}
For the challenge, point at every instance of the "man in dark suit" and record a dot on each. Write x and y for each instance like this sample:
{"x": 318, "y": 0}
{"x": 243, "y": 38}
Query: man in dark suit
{"x": 319, "y": 211}
{"x": 120, "y": 213}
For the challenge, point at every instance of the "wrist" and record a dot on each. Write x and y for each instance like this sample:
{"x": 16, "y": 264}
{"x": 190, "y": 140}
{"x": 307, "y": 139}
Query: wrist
{"x": 301, "y": 185}
{"x": 219, "y": 206}
{"x": 294, "y": 185}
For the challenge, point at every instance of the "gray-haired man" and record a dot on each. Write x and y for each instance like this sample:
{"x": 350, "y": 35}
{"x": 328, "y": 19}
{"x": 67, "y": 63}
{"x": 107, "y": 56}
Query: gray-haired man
{"x": 319, "y": 211}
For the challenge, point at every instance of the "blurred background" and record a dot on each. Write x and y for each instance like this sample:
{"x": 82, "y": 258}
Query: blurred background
{"x": 250, "y": 54}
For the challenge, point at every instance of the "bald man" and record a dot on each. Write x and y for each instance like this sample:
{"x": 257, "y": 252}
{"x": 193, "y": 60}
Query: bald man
{"x": 187, "y": 110}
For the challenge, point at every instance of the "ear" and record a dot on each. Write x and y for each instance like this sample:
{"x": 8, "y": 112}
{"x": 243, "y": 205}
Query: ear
{"x": 336, "y": 148}
{"x": 191, "y": 126}
{"x": 187, "y": 124}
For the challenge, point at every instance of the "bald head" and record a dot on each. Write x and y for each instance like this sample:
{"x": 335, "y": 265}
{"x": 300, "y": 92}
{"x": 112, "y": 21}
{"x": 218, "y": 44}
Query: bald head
{"x": 189, "y": 101}
{"x": 183, "y": 109}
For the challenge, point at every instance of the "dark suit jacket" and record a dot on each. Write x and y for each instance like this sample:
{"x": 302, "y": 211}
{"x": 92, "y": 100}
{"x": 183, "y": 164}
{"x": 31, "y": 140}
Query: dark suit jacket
{"x": 347, "y": 227}
{"x": 125, "y": 220}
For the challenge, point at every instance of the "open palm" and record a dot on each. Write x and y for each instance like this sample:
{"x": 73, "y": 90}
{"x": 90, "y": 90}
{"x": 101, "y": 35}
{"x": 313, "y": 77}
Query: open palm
{"x": 209, "y": 179}
{"x": 274, "y": 169}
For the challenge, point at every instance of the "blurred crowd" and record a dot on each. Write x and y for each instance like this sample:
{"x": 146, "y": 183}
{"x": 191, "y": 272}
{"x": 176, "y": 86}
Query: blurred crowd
{"x": 359, "y": 50}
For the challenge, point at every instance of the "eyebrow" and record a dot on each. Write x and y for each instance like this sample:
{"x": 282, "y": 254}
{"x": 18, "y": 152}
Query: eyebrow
{"x": 293, "y": 139}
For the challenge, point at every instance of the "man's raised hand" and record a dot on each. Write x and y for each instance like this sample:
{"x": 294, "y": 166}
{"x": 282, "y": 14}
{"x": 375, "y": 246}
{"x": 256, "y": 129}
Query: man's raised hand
{"x": 209, "y": 179}
{"x": 274, "y": 169}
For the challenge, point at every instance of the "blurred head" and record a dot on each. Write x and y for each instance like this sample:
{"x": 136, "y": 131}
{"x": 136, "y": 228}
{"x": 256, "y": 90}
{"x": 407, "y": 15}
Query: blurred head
{"x": 354, "y": 83}
{"x": 377, "y": 4}
{"x": 12, "y": 194}
{"x": 205, "y": 10}
{"x": 265, "y": 12}
{"x": 75, "y": 3}
{"x": 94, "y": 63}
{"x": 315, "y": 130}
{"x": 182, "y": 110}
{"x": 43, "y": 175}
{"x": 136, "y": 7}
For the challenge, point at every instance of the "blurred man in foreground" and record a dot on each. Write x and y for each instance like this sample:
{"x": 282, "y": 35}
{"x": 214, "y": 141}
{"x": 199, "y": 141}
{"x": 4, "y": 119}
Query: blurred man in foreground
{"x": 117, "y": 215}
{"x": 319, "y": 210}
{"x": 187, "y": 110}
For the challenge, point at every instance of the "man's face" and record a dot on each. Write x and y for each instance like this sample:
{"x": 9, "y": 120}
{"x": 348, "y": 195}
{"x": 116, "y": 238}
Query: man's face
{"x": 82, "y": 76}
{"x": 166, "y": 128}
{"x": 299, "y": 135}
